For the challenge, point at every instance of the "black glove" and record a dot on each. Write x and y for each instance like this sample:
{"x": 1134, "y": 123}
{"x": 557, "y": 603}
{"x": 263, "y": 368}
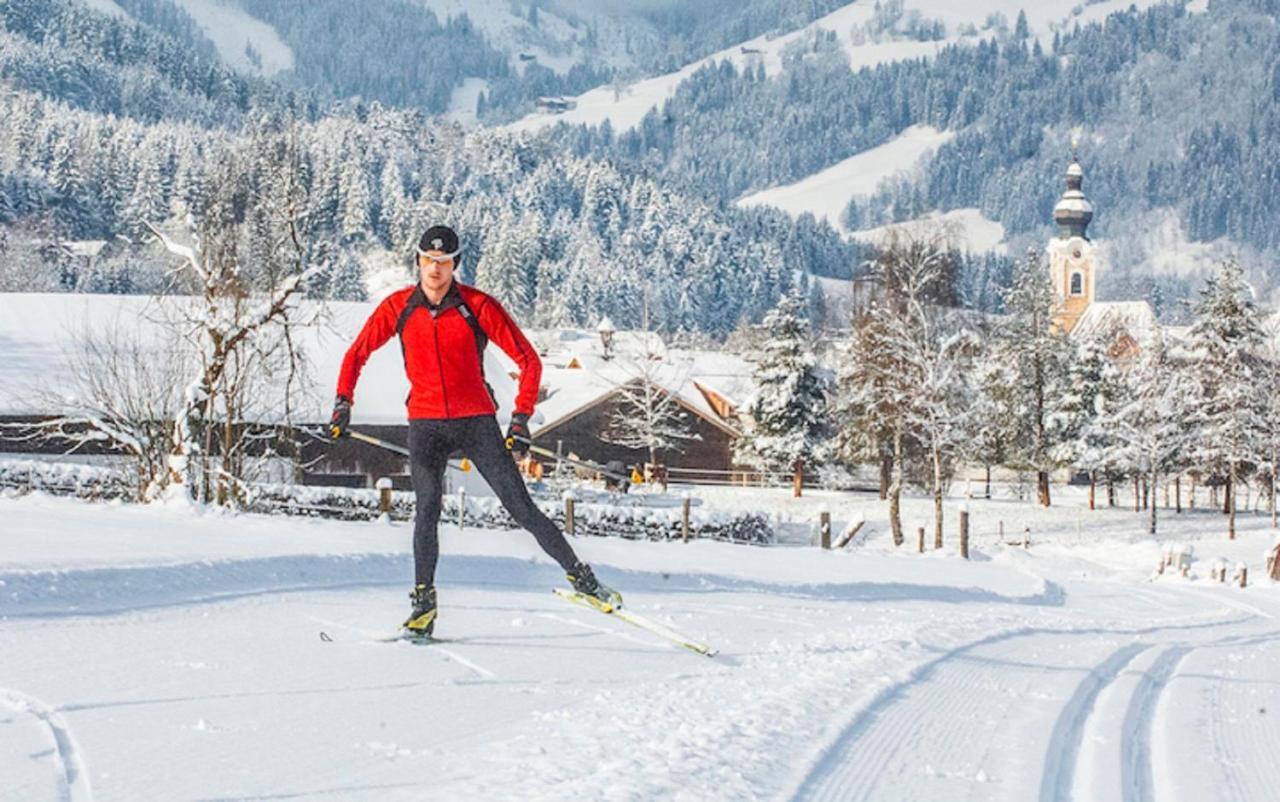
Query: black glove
{"x": 341, "y": 418}
{"x": 518, "y": 435}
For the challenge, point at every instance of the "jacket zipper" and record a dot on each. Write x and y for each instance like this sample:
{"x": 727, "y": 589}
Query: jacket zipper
{"x": 435, "y": 336}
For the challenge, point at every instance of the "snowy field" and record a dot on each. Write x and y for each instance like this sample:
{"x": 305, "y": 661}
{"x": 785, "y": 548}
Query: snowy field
{"x": 162, "y": 653}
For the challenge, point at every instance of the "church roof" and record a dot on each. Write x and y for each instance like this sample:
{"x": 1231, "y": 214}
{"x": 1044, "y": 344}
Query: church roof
{"x": 1101, "y": 319}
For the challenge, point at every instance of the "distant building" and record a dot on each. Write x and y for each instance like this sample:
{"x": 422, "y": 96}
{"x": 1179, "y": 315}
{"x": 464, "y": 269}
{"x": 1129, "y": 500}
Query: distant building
{"x": 1124, "y": 326}
{"x": 555, "y": 105}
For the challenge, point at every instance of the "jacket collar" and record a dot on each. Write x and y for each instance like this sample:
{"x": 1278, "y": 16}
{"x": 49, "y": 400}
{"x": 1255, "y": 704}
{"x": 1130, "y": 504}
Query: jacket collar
{"x": 452, "y": 297}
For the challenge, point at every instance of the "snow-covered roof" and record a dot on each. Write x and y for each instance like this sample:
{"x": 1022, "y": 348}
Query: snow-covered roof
{"x": 571, "y": 390}
{"x": 1101, "y": 318}
{"x": 38, "y": 334}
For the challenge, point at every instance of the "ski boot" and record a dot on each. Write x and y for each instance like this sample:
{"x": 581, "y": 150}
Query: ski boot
{"x": 422, "y": 621}
{"x": 600, "y": 596}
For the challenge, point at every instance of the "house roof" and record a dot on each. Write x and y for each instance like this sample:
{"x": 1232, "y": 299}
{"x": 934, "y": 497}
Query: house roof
{"x": 38, "y": 334}
{"x": 1101, "y": 318}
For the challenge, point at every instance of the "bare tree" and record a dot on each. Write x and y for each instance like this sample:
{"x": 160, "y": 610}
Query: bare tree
{"x": 238, "y": 326}
{"x": 931, "y": 352}
{"x": 649, "y": 414}
{"x": 124, "y": 388}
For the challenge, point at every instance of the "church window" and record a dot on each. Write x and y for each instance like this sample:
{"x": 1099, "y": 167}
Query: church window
{"x": 1077, "y": 284}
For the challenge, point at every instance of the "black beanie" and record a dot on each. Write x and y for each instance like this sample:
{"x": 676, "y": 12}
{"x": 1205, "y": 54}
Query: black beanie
{"x": 439, "y": 238}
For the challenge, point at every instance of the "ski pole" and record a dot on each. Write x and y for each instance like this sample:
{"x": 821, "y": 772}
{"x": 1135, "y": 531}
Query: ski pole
{"x": 591, "y": 466}
{"x": 379, "y": 442}
{"x": 398, "y": 449}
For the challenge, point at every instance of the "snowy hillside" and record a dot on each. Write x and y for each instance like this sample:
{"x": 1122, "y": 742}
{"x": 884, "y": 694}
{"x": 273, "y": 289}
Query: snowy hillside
{"x": 825, "y": 194}
{"x": 556, "y": 41}
{"x": 235, "y": 33}
{"x": 625, "y": 108}
{"x": 160, "y": 653}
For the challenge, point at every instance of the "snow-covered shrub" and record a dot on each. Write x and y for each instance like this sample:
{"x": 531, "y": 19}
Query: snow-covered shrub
{"x": 67, "y": 479}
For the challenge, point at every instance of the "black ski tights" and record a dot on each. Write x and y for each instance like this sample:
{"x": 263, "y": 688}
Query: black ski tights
{"x": 431, "y": 441}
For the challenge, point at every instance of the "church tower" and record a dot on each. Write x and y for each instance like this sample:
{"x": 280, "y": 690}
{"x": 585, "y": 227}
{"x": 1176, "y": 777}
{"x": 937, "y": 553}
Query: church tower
{"x": 1072, "y": 257}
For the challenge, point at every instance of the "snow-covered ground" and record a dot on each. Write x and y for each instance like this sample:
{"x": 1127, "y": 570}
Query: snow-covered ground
{"x": 232, "y": 29}
{"x": 462, "y": 103}
{"x": 626, "y": 109}
{"x": 825, "y": 194}
{"x": 159, "y": 653}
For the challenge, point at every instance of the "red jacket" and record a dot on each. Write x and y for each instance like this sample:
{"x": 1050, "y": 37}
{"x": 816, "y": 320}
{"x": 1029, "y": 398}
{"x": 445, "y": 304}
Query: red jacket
{"x": 440, "y": 354}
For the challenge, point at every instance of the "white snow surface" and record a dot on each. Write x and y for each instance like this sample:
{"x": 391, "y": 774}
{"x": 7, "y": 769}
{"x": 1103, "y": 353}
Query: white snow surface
{"x": 462, "y": 103}
{"x": 976, "y": 232}
{"x": 626, "y": 109}
{"x": 163, "y": 653}
{"x": 231, "y": 28}
{"x": 826, "y": 193}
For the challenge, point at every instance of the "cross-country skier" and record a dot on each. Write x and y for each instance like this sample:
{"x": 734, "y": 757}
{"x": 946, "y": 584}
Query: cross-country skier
{"x": 443, "y": 328}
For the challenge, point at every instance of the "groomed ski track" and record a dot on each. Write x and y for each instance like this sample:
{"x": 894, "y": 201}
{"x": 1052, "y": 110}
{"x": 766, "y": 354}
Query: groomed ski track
{"x": 247, "y": 663}
{"x": 1082, "y": 701}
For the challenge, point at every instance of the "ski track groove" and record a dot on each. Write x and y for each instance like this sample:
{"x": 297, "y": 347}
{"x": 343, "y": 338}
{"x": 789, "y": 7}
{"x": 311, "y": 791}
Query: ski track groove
{"x": 74, "y": 784}
{"x": 448, "y": 654}
{"x": 604, "y": 630}
{"x": 476, "y": 668}
{"x": 834, "y": 775}
{"x": 1137, "y": 778}
{"x": 1068, "y": 730}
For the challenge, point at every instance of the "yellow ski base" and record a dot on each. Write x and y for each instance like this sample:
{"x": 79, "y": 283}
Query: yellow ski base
{"x": 635, "y": 620}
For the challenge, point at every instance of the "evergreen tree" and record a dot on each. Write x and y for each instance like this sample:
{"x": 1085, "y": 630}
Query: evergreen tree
{"x": 1226, "y": 338}
{"x": 1038, "y": 356}
{"x": 789, "y": 409}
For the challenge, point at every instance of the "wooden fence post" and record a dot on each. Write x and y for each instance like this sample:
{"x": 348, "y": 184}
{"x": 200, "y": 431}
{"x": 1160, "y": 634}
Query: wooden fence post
{"x": 964, "y": 533}
{"x": 568, "y": 513}
{"x": 1002, "y": 531}
{"x": 1242, "y": 574}
{"x": 684, "y": 518}
{"x": 824, "y": 528}
{"x": 920, "y": 540}
{"x": 1026, "y": 538}
{"x": 462, "y": 507}
{"x": 384, "y": 495}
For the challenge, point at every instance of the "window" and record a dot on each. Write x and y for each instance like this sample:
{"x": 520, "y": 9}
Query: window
{"x": 1077, "y": 284}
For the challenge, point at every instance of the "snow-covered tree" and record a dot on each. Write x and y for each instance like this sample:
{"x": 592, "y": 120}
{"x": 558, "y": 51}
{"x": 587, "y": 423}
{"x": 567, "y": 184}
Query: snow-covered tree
{"x": 648, "y": 414}
{"x": 789, "y": 410}
{"x": 931, "y": 350}
{"x": 1151, "y": 426}
{"x": 241, "y": 336}
{"x": 1038, "y": 356}
{"x": 1226, "y": 339}
{"x": 125, "y": 390}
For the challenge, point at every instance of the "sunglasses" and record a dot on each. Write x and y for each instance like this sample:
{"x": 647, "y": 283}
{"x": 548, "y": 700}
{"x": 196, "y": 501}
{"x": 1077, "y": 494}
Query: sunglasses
{"x": 440, "y": 260}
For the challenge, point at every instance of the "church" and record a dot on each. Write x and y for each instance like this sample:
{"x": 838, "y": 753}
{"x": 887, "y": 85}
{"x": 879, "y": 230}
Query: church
{"x": 1073, "y": 264}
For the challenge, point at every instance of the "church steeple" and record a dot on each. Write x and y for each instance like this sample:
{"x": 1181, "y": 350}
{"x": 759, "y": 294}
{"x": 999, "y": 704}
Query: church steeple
{"x": 1072, "y": 257}
{"x": 1074, "y": 212}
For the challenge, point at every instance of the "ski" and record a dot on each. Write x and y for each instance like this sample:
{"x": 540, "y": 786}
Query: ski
{"x": 653, "y": 627}
{"x": 417, "y": 640}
